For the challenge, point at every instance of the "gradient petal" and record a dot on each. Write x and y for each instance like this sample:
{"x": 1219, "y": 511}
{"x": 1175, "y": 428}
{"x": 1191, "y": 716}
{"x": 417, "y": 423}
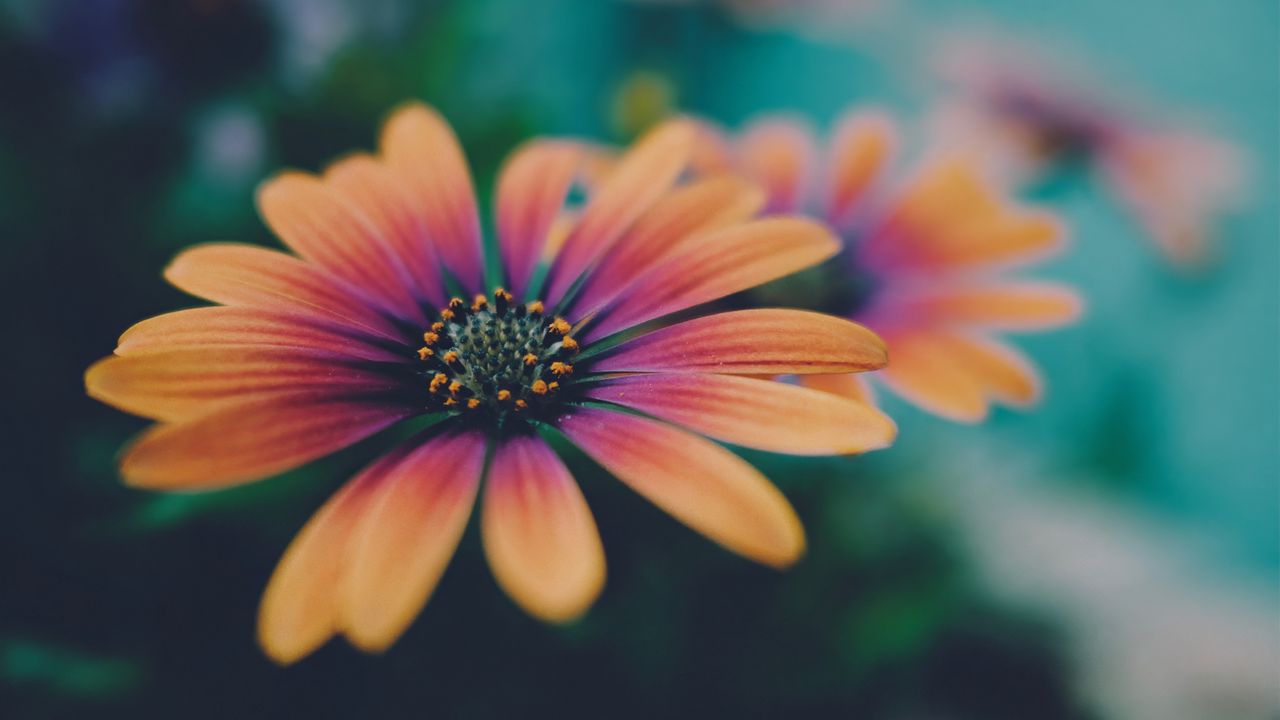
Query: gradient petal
{"x": 995, "y": 305}
{"x": 1003, "y": 373}
{"x": 538, "y": 532}
{"x": 323, "y": 228}
{"x": 532, "y": 188}
{"x": 299, "y": 609}
{"x": 423, "y": 152}
{"x": 717, "y": 264}
{"x": 252, "y": 440}
{"x": 698, "y": 482}
{"x": 368, "y": 184}
{"x": 407, "y": 538}
{"x": 249, "y": 276}
{"x": 923, "y": 373}
{"x": 755, "y": 413}
{"x": 642, "y": 176}
{"x": 863, "y": 146}
{"x": 853, "y": 386}
{"x": 220, "y": 326}
{"x": 187, "y": 382}
{"x": 752, "y": 342}
{"x": 699, "y": 207}
{"x": 779, "y": 154}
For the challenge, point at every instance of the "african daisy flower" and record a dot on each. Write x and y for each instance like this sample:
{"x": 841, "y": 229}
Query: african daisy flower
{"x": 307, "y": 353}
{"x": 923, "y": 262}
{"x": 1025, "y": 116}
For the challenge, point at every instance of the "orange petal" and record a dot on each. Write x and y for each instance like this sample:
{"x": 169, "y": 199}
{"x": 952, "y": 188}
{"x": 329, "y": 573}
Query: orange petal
{"x": 642, "y": 176}
{"x": 717, "y": 264}
{"x": 698, "y": 482}
{"x": 368, "y": 184}
{"x": 681, "y": 214}
{"x": 531, "y": 193}
{"x": 206, "y": 327}
{"x": 779, "y": 154}
{"x": 922, "y": 372}
{"x": 853, "y": 386}
{"x": 864, "y": 144}
{"x": 421, "y": 149}
{"x": 187, "y": 382}
{"x": 252, "y": 440}
{"x": 299, "y": 610}
{"x": 538, "y": 533}
{"x": 761, "y": 414}
{"x": 328, "y": 231}
{"x": 752, "y": 342}
{"x": 1002, "y": 372}
{"x": 248, "y": 276}
{"x": 407, "y": 538}
{"x": 1003, "y": 306}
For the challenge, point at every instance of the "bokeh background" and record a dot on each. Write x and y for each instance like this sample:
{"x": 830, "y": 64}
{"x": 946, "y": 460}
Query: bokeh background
{"x": 1113, "y": 554}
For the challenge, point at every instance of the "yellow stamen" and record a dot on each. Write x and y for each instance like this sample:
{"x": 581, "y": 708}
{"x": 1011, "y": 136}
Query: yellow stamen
{"x": 481, "y": 302}
{"x": 569, "y": 343}
{"x": 454, "y": 387}
{"x": 473, "y": 403}
{"x": 534, "y": 307}
{"x": 521, "y": 405}
{"x": 504, "y": 395}
{"x": 430, "y": 338}
{"x": 530, "y": 359}
{"x": 450, "y": 402}
{"x": 539, "y": 387}
{"x": 502, "y": 294}
{"x": 447, "y": 314}
{"x": 437, "y": 381}
{"x": 455, "y": 303}
{"x": 553, "y": 386}
{"x": 561, "y": 368}
{"x": 437, "y": 327}
{"x": 561, "y": 326}
{"x": 451, "y": 356}
{"x": 425, "y": 352}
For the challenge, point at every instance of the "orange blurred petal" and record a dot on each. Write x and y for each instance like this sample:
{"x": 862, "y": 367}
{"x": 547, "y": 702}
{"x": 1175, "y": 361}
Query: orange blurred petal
{"x": 761, "y": 414}
{"x": 538, "y": 532}
{"x": 779, "y": 154}
{"x": 853, "y": 386}
{"x": 407, "y": 538}
{"x": 923, "y": 372}
{"x": 699, "y": 207}
{"x": 248, "y": 276}
{"x": 862, "y": 148}
{"x": 369, "y": 185}
{"x": 752, "y": 342}
{"x": 1004, "y": 306}
{"x": 423, "y": 152}
{"x": 698, "y": 482}
{"x": 252, "y": 440}
{"x": 328, "y": 231}
{"x": 1003, "y": 373}
{"x": 642, "y": 176}
{"x": 717, "y": 264}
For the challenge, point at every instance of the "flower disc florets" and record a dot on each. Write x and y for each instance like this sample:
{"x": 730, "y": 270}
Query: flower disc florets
{"x": 496, "y": 357}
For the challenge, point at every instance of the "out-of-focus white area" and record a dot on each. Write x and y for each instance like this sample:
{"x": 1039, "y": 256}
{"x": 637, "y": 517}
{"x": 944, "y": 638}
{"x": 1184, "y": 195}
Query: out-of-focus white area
{"x": 1153, "y": 634}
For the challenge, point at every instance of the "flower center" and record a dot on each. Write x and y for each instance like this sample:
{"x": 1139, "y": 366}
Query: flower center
{"x": 496, "y": 357}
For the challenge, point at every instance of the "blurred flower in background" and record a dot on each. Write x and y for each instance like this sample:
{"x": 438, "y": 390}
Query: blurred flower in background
{"x": 924, "y": 259}
{"x": 1024, "y": 116}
